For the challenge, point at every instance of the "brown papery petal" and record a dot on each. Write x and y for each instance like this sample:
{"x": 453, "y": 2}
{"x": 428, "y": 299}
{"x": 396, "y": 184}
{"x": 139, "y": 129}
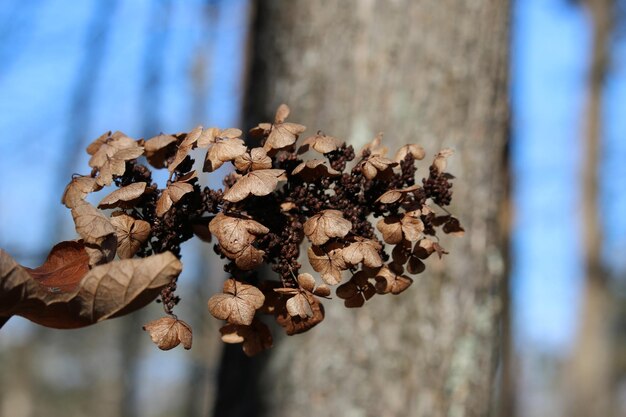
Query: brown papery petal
{"x": 131, "y": 235}
{"x": 259, "y": 183}
{"x": 78, "y": 189}
{"x": 168, "y": 332}
{"x": 123, "y": 195}
{"x": 325, "y": 225}
{"x": 237, "y": 304}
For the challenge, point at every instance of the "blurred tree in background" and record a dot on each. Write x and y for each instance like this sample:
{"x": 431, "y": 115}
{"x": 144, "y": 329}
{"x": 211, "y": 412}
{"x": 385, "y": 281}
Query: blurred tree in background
{"x": 429, "y": 72}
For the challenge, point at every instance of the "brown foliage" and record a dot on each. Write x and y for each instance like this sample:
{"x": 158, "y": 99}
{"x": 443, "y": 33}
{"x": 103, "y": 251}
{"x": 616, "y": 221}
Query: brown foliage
{"x": 64, "y": 293}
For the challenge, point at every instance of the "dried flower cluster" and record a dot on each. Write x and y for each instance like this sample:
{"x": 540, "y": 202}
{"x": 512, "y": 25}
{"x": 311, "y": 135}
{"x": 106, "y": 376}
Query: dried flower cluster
{"x": 279, "y": 196}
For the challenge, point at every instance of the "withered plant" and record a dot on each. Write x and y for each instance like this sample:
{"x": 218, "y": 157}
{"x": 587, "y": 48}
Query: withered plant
{"x": 347, "y": 209}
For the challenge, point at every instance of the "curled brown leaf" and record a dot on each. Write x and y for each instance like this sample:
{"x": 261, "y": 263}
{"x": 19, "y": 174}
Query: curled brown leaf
{"x": 63, "y": 293}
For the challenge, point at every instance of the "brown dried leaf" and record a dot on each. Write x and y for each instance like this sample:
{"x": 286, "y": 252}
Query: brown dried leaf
{"x": 124, "y": 197}
{"x": 77, "y": 190}
{"x": 159, "y": 148}
{"x": 223, "y": 150}
{"x": 168, "y": 332}
{"x": 131, "y": 235}
{"x": 390, "y": 280}
{"x": 314, "y": 169}
{"x": 120, "y": 287}
{"x": 256, "y": 338}
{"x": 235, "y": 233}
{"x": 363, "y": 250}
{"x": 97, "y": 232}
{"x": 325, "y": 225}
{"x": 254, "y": 160}
{"x": 259, "y": 183}
{"x": 415, "y": 150}
{"x": 237, "y": 304}
{"x": 320, "y": 143}
{"x": 328, "y": 263}
{"x": 172, "y": 195}
{"x": 63, "y": 293}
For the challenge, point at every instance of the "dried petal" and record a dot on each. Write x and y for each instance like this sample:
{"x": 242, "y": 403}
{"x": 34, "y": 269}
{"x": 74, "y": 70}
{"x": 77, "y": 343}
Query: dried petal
{"x": 297, "y": 324}
{"x": 254, "y": 160}
{"x": 328, "y": 263}
{"x": 391, "y": 228}
{"x": 393, "y": 196}
{"x": 172, "y": 195}
{"x": 440, "y": 161}
{"x": 256, "y": 338}
{"x": 237, "y": 304}
{"x": 123, "y": 197}
{"x": 320, "y": 143}
{"x": 168, "y": 332}
{"x": 111, "y": 156}
{"x": 131, "y": 235}
{"x": 375, "y": 165}
{"x": 97, "y": 232}
{"x": 363, "y": 250}
{"x": 77, "y": 190}
{"x": 259, "y": 183}
{"x": 235, "y": 233}
{"x": 388, "y": 281}
{"x": 221, "y": 151}
{"x": 325, "y": 225}
{"x": 313, "y": 170}
{"x": 415, "y": 150}
{"x": 159, "y": 148}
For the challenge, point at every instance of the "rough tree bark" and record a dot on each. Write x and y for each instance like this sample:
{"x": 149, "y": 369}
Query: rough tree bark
{"x": 432, "y": 72}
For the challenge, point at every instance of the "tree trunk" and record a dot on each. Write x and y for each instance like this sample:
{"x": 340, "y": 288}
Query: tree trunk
{"x": 590, "y": 374}
{"x": 432, "y": 72}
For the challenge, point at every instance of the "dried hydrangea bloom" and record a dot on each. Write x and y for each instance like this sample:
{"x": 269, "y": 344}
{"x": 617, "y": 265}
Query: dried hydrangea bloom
{"x": 364, "y": 213}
